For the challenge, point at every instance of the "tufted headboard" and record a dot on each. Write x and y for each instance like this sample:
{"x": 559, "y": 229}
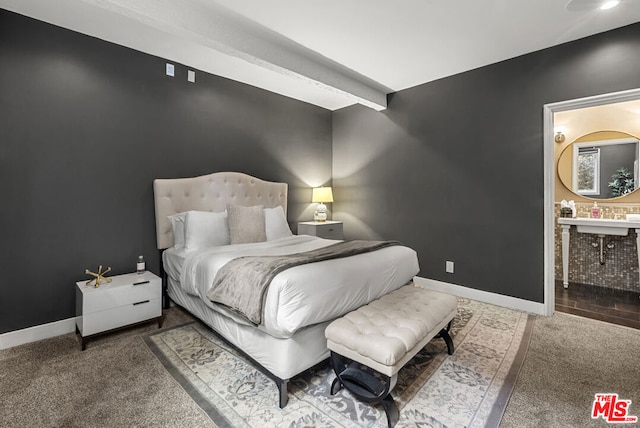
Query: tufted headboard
{"x": 210, "y": 193}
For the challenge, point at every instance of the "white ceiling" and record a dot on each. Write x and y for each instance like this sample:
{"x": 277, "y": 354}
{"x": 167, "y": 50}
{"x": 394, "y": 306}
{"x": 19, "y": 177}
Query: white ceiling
{"x": 332, "y": 53}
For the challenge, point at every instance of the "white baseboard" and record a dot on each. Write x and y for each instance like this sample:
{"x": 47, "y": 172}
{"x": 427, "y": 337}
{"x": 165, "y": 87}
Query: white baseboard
{"x": 481, "y": 296}
{"x": 38, "y": 332}
{"x": 45, "y": 331}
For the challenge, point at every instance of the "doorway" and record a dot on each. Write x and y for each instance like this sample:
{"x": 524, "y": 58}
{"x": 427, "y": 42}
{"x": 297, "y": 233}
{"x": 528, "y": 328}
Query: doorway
{"x": 590, "y": 301}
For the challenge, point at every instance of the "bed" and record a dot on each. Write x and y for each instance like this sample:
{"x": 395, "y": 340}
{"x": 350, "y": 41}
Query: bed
{"x": 299, "y": 302}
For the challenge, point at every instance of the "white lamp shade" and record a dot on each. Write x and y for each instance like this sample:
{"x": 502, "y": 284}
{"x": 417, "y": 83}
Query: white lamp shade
{"x": 322, "y": 194}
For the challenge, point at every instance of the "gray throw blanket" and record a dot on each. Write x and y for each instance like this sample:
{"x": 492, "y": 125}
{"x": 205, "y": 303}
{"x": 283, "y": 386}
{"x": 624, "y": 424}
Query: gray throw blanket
{"x": 241, "y": 284}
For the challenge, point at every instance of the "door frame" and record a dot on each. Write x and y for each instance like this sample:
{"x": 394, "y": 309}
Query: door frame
{"x": 548, "y": 111}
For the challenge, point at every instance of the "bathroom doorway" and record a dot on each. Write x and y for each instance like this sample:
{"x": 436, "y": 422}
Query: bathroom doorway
{"x": 606, "y": 287}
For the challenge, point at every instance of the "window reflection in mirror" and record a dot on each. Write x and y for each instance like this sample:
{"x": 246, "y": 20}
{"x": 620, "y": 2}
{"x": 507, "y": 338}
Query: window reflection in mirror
{"x": 587, "y": 179}
{"x": 600, "y": 169}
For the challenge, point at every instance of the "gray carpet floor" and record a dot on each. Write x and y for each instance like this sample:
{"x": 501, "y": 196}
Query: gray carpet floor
{"x": 570, "y": 359}
{"x": 117, "y": 382}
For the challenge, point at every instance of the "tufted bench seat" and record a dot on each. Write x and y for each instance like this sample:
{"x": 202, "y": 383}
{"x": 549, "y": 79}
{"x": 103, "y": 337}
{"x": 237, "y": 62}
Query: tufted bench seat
{"x": 384, "y": 335}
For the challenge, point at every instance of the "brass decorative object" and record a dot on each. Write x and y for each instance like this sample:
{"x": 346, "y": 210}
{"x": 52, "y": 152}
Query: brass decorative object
{"x": 98, "y": 277}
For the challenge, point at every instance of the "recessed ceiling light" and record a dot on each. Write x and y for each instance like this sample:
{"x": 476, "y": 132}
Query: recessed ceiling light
{"x": 609, "y": 4}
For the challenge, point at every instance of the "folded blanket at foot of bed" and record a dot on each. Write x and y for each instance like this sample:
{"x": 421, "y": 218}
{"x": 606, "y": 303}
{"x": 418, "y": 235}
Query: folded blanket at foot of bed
{"x": 241, "y": 283}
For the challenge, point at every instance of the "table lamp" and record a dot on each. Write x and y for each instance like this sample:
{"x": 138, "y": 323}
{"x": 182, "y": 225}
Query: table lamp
{"x": 321, "y": 195}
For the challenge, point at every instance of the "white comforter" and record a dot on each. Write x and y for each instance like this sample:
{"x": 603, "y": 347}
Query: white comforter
{"x": 302, "y": 295}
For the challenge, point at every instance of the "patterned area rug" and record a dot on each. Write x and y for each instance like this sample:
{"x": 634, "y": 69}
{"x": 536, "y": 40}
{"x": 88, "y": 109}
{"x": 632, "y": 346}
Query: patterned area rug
{"x": 469, "y": 388}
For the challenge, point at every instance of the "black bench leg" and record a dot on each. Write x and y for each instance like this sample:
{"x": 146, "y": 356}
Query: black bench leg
{"x": 364, "y": 386}
{"x": 444, "y": 333}
{"x": 336, "y": 386}
{"x": 339, "y": 364}
{"x": 447, "y": 339}
{"x": 391, "y": 410}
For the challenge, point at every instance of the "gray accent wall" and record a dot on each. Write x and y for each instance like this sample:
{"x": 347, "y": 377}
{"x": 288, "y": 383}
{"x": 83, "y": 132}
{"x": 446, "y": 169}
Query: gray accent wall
{"x": 85, "y": 127}
{"x": 454, "y": 168}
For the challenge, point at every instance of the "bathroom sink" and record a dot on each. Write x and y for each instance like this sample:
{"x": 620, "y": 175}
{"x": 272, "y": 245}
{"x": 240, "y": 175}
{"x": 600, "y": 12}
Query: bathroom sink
{"x": 597, "y": 226}
{"x": 601, "y": 226}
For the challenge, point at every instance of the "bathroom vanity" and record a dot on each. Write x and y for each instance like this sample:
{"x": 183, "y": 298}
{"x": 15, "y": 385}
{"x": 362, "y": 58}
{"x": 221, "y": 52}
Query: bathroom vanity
{"x": 596, "y": 226}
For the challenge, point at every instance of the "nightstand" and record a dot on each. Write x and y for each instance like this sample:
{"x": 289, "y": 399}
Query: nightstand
{"x": 322, "y": 229}
{"x": 128, "y": 299}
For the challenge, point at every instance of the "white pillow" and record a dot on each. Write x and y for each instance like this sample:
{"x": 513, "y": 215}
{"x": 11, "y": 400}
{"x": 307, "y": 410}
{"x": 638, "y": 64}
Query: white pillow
{"x": 205, "y": 229}
{"x": 275, "y": 223}
{"x": 177, "y": 225}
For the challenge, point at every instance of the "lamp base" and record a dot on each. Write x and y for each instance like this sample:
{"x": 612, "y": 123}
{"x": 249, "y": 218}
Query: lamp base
{"x": 321, "y": 213}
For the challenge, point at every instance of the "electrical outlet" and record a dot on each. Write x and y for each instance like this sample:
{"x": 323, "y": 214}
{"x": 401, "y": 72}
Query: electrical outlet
{"x": 449, "y": 267}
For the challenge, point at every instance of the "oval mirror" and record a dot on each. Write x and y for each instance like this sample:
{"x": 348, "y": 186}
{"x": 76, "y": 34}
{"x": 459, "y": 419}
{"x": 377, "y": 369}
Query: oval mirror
{"x": 600, "y": 169}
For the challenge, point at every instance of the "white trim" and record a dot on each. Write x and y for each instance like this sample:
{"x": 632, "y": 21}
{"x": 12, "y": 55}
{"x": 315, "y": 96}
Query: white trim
{"x": 38, "y": 332}
{"x": 548, "y": 221}
{"x": 482, "y": 296}
{"x": 549, "y": 174}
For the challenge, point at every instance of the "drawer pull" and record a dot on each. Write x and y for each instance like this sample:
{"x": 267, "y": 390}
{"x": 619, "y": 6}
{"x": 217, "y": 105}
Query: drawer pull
{"x": 140, "y": 303}
{"x": 141, "y": 282}
{"x": 331, "y": 230}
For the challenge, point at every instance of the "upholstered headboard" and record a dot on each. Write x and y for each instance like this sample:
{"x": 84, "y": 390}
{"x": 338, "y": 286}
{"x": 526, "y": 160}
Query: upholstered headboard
{"x": 211, "y": 193}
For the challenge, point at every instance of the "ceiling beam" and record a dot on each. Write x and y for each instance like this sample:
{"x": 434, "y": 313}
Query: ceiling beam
{"x": 232, "y": 34}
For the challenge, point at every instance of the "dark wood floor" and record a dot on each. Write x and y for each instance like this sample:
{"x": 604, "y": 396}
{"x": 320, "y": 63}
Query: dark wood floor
{"x": 604, "y": 304}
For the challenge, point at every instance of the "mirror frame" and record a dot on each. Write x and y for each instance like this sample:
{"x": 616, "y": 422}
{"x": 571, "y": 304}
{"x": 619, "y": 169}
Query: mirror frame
{"x": 575, "y": 146}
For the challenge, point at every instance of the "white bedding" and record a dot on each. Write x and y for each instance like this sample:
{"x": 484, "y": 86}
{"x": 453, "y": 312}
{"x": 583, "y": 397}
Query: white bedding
{"x": 285, "y": 358}
{"x": 303, "y": 295}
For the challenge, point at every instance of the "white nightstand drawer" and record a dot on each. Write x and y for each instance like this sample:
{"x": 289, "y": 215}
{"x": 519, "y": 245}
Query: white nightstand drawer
{"x": 109, "y": 319}
{"x": 324, "y": 229}
{"x": 120, "y": 292}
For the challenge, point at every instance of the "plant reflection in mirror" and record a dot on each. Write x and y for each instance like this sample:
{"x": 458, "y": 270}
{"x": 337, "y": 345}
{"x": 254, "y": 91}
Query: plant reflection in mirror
{"x": 622, "y": 182}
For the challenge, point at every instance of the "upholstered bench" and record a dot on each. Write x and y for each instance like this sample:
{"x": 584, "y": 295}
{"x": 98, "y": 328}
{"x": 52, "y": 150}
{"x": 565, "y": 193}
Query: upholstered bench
{"x": 383, "y": 336}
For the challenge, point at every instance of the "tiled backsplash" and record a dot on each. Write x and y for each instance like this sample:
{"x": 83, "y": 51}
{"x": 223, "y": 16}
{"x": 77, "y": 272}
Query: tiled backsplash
{"x": 620, "y": 270}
